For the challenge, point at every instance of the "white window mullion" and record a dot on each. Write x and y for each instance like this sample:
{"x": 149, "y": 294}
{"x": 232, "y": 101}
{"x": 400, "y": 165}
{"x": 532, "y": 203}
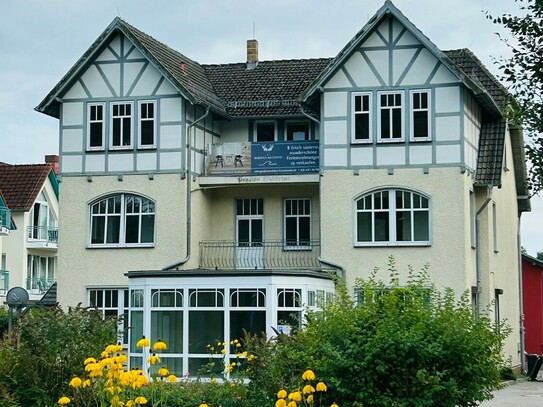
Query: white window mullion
{"x": 392, "y": 216}
{"x": 122, "y": 241}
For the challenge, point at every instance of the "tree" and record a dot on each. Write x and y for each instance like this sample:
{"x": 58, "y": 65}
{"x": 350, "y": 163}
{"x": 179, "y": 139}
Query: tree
{"x": 523, "y": 72}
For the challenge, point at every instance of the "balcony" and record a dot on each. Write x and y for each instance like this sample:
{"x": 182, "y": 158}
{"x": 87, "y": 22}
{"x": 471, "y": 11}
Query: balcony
{"x": 270, "y": 254}
{"x": 4, "y": 282}
{"x": 39, "y": 285}
{"x": 274, "y": 162}
{"x": 42, "y": 237}
{"x": 5, "y": 221}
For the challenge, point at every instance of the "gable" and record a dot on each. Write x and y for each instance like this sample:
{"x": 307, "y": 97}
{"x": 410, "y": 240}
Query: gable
{"x": 390, "y": 56}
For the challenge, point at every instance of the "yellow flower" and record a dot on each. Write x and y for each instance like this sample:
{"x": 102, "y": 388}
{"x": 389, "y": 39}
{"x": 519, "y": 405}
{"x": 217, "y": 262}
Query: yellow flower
{"x": 86, "y": 383}
{"x": 308, "y": 389}
{"x": 309, "y": 399}
{"x": 223, "y": 351}
{"x": 172, "y": 378}
{"x": 142, "y": 342}
{"x": 153, "y": 359}
{"x": 89, "y": 360}
{"x": 163, "y": 371}
{"x": 281, "y": 394}
{"x": 291, "y": 404}
{"x": 203, "y": 405}
{"x": 251, "y": 357}
{"x": 238, "y": 345}
{"x": 295, "y": 396}
{"x": 75, "y": 382}
{"x": 140, "y": 400}
{"x": 64, "y": 400}
{"x": 334, "y": 405}
{"x": 308, "y": 375}
{"x": 120, "y": 358}
{"x": 281, "y": 403}
{"x": 321, "y": 386}
{"x": 159, "y": 345}
{"x": 110, "y": 349}
{"x": 129, "y": 403}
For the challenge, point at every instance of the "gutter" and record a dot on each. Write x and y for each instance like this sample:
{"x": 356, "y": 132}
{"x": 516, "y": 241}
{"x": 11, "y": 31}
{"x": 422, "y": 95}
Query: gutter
{"x": 188, "y": 177}
{"x": 478, "y": 243}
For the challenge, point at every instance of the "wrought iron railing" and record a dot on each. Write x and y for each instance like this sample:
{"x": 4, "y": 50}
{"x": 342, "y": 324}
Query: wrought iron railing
{"x": 39, "y": 285}
{"x": 46, "y": 234}
{"x": 4, "y": 281}
{"x": 275, "y": 254}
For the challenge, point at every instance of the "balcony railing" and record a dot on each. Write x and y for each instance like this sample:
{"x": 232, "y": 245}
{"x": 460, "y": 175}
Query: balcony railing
{"x": 39, "y": 285}
{"x": 5, "y": 220}
{"x": 4, "y": 282}
{"x": 276, "y": 254}
{"x": 44, "y": 234}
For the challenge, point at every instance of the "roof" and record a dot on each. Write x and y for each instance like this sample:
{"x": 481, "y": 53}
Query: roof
{"x": 491, "y": 152}
{"x": 272, "y": 88}
{"x": 21, "y": 184}
{"x": 533, "y": 260}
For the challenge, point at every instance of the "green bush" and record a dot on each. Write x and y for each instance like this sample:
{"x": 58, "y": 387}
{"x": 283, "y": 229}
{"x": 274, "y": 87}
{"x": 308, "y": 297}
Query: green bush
{"x": 45, "y": 351}
{"x": 399, "y": 346}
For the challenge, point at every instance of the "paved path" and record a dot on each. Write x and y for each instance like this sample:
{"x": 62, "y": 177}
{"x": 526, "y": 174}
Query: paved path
{"x": 522, "y": 393}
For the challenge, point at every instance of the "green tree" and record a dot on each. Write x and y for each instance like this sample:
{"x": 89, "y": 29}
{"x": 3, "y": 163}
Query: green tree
{"x": 397, "y": 345}
{"x": 523, "y": 72}
{"x": 45, "y": 351}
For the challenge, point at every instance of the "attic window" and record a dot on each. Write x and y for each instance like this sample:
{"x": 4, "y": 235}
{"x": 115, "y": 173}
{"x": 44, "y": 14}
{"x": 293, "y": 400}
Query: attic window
{"x": 121, "y": 125}
{"x": 264, "y": 132}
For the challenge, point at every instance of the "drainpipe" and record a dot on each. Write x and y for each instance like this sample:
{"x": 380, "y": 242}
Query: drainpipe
{"x": 320, "y": 259}
{"x": 478, "y": 243}
{"x": 523, "y": 366}
{"x": 189, "y": 193}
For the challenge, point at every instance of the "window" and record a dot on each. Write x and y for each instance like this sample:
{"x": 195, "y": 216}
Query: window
{"x": 112, "y": 302}
{"x": 390, "y": 117}
{"x": 297, "y": 131}
{"x": 40, "y": 273}
{"x": 297, "y": 222}
{"x": 122, "y": 220}
{"x": 95, "y": 130}
{"x": 361, "y": 128}
{"x": 289, "y": 309}
{"x": 121, "y": 125}
{"x": 420, "y": 118}
{"x": 147, "y": 125}
{"x": 264, "y": 131}
{"x": 392, "y": 216}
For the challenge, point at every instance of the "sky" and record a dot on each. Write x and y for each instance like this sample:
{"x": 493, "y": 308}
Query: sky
{"x": 40, "y": 40}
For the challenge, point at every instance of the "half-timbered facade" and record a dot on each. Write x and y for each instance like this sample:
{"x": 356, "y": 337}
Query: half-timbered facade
{"x": 202, "y": 199}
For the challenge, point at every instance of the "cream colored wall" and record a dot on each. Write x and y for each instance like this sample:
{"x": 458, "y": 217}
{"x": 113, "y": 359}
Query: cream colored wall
{"x": 447, "y": 256}
{"x": 80, "y": 266}
{"x": 500, "y": 270}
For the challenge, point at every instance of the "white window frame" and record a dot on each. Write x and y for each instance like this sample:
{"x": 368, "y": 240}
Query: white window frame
{"x": 297, "y": 244}
{"x": 90, "y": 121}
{"x": 391, "y": 211}
{"x": 413, "y": 110}
{"x": 122, "y": 222}
{"x": 121, "y": 309}
{"x": 255, "y": 134}
{"x": 146, "y": 119}
{"x": 401, "y": 93}
{"x": 111, "y": 128}
{"x": 367, "y": 112}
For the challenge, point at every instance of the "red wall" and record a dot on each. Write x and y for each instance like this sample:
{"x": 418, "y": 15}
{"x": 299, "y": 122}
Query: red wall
{"x": 532, "y": 302}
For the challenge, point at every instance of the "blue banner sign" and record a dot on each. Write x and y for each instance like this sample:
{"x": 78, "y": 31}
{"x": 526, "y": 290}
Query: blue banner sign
{"x": 280, "y": 157}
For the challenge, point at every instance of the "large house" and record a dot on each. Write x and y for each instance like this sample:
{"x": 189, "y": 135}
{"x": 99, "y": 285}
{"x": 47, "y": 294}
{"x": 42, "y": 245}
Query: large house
{"x": 29, "y": 254}
{"x": 199, "y": 200}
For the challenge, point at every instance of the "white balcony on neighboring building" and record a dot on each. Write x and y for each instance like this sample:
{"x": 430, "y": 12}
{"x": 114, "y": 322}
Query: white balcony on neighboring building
{"x": 42, "y": 237}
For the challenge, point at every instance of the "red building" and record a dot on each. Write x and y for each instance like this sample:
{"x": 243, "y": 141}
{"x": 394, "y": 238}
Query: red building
{"x": 532, "y": 292}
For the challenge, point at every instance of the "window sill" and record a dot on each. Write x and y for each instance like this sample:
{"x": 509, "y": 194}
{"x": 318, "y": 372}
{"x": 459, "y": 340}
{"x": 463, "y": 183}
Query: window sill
{"x": 153, "y": 148}
{"x": 119, "y": 246}
{"x": 393, "y": 244}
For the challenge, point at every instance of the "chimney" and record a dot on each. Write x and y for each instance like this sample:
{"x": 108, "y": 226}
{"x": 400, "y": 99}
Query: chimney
{"x": 252, "y": 54}
{"x": 53, "y": 160}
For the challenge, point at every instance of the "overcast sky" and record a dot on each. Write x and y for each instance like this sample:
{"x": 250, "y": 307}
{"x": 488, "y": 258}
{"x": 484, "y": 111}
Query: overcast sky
{"x": 41, "y": 40}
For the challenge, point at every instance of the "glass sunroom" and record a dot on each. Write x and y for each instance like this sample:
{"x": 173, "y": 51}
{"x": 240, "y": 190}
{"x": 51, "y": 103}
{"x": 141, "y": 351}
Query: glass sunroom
{"x": 190, "y": 310}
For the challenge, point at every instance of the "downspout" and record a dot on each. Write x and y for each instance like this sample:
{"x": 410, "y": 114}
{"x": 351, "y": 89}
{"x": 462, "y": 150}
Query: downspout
{"x": 321, "y": 259}
{"x": 478, "y": 243}
{"x": 189, "y": 193}
{"x": 523, "y": 366}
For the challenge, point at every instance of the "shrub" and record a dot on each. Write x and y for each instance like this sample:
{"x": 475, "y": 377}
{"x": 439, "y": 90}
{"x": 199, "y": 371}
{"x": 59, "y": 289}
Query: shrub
{"x": 45, "y": 351}
{"x": 399, "y": 346}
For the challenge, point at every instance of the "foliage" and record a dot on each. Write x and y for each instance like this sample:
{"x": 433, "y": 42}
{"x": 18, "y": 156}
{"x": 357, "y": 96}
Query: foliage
{"x": 523, "y": 72}
{"x": 45, "y": 351}
{"x": 539, "y": 256}
{"x": 399, "y": 346}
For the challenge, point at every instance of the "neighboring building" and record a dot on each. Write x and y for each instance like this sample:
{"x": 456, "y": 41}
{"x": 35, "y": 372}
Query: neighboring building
{"x": 6, "y": 226}
{"x": 532, "y": 301}
{"x": 198, "y": 200}
{"x": 29, "y": 255}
